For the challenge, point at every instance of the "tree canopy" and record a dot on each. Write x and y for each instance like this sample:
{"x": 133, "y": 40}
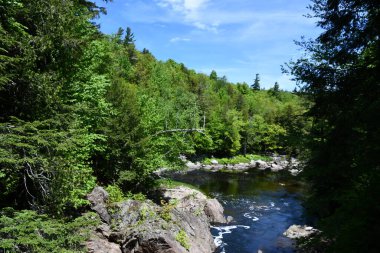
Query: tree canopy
{"x": 341, "y": 76}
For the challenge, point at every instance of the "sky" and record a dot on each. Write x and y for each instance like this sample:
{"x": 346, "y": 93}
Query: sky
{"x": 236, "y": 38}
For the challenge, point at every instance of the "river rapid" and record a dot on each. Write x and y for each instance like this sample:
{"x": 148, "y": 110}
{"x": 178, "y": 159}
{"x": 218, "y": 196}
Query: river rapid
{"x": 263, "y": 205}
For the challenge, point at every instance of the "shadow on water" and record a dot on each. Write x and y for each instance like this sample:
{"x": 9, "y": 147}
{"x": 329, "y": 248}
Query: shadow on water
{"x": 263, "y": 205}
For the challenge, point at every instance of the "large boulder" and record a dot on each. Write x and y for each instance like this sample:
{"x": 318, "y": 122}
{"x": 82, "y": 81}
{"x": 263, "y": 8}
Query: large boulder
{"x": 193, "y": 166}
{"x": 214, "y": 211}
{"x": 147, "y": 227}
{"x": 179, "y": 223}
{"x": 98, "y": 199}
{"x": 298, "y": 231}
{"x": 99, "y": 244}
{"x": 275, "y": 167}
{"x": 196, "y": 202}
{"x": 262, "y": 165}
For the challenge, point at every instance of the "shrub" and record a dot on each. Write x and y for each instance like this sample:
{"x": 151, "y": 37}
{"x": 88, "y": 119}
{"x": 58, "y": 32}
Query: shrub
{"x": 181, "y": 237}
{"x": 115, "y": 194}
{"x": 27, "y": 231}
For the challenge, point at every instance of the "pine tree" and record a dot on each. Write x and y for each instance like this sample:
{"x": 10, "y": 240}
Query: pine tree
{"x": 256, "y": 83}
{"x": 341, "y": 74}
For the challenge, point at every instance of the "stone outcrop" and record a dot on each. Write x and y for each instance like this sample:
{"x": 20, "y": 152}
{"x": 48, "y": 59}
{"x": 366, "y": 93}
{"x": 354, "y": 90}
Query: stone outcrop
{"x": 98, "y": 243}
{"x": 214, "y": 211}
{"x": 195, "y": 202}
{"x": 98, "y": 199}
{"x": 298, "y": 231}
{"x": 178, "y": 223}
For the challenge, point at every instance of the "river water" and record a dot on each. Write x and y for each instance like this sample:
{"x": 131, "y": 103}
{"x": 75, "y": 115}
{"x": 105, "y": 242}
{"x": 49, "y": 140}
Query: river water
{"x": 263, "y": 205}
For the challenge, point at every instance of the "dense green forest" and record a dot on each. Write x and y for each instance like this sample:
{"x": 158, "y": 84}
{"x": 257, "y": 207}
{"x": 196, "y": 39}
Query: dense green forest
{"x": 80, "y": 108}
{"x": 341, "y": 75}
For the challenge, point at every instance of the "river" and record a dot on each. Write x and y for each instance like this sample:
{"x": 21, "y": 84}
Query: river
{"x": 263, "y": 205}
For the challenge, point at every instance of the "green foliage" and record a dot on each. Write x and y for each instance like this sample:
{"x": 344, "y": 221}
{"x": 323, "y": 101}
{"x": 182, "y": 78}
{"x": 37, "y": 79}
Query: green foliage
{"x": 341, "y": 74}
{"x": 27, "y": 231}
{"x": 136, "y": 196}
{"x": 256, "y": 83}
{"x": 237, "y": 159}
{"x": 170, "y": 183}
{"x": 263, "y": 136}
{"x": 46, "y": 164}
{"x": 79, "y": 107}
{"x": 166, "y": 208}
{"x": 115, "y": 194}
{"x": 182, "y": 238}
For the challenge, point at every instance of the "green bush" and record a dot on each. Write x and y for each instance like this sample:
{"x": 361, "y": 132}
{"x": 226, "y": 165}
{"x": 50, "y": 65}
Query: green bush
{"x": 27, "y": 231}
{"x": 115, "y": 194}
{"x": 237, "y": 159}
{"x": 136, "y": 196}
{"x": 181, "y": 237}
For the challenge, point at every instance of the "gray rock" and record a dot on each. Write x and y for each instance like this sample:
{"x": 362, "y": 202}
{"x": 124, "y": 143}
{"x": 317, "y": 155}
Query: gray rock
{"x": 196, "y": 202}
{"x": 217, "y": 167}
{"x": 283, "y": 163}
{"x": 98, "y": 199}
{"x": 294, "y": 172}
{"x": 193, "y": 166}
{"x": 98, "y": 244}
{"x": 145, "y": 227}
{"x": 214, "y": 211}
{"x": 261, "y": 165}
{"x": 182, "y": 194}
{"x": 279, "y": 162}
{"x": 144, "y": 230}
{"x": 298, "y": 231}
{"x": 241, "y": 166}
{"x": 207, "y": 167}
{"x": 213, "y": 161}
{"x": 159, "y": 244}
{"x": 275, "y": 167}
{"x": 104, "y": 230}
{"x": 229, "y": 167}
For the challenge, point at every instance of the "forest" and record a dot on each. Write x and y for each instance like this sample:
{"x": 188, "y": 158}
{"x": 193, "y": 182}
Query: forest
{"x": 79, "y": 108}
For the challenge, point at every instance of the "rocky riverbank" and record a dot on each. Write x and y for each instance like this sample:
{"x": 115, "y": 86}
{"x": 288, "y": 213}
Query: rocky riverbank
{"x": 277, "y": 163}
{"x": 178, "y": 221}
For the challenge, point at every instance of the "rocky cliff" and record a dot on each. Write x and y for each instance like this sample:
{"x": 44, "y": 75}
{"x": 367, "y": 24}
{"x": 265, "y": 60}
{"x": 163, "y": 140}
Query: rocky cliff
{"x": 177, "y": 222}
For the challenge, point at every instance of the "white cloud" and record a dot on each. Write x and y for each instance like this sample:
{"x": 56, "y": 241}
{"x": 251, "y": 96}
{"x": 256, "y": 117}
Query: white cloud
{"x": 191, "y": 12}
{"x": 215, "y": 16}
{"x": 178, "y": 39}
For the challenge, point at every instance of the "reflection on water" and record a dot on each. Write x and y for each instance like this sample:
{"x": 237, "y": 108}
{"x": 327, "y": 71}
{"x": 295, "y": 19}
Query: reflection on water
{"x": 263, "y": 206}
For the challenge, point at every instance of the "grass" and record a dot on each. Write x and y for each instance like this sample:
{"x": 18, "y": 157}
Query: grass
{"x": 170, "y": 183}
{"x": 237, "y": 159}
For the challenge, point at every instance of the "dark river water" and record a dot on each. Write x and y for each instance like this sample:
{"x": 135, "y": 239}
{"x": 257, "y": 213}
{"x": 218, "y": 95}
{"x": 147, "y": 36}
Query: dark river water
{"x": 263, "y": 205}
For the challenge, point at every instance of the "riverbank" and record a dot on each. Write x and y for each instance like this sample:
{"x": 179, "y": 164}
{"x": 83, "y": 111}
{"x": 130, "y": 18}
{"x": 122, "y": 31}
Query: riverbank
{"x": 179, "y": 218}
{"x": 272, "y": 163}
{"x": 175, "y": 220}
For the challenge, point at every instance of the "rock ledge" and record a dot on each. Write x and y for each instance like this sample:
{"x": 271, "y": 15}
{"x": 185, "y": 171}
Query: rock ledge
{"x": 179, "y": 223}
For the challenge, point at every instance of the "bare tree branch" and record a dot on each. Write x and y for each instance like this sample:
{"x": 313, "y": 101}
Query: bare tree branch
{"x": 179, "y": 130}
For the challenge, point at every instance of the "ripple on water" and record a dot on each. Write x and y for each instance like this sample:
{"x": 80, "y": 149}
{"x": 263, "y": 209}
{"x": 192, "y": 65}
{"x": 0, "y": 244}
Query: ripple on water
{"x": 262, "y": 208}
{"x": 218, "y": 239}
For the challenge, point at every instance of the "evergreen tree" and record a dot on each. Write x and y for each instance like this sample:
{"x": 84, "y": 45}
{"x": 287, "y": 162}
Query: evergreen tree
{"x": 341, "y": 74}
{"x": 129, "y": 37}
{"x": 213, "y": 75}
{"x": 256, "y": 83}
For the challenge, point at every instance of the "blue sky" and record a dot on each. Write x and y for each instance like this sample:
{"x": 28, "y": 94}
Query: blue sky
{"x": 236, "y": 38}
